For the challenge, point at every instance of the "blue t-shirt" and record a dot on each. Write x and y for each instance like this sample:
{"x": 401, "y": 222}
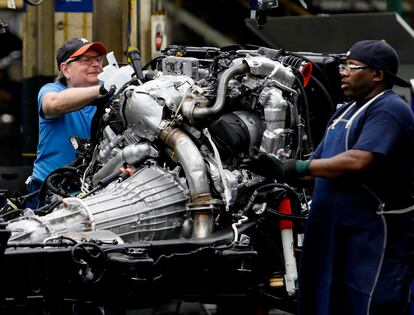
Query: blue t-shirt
{"x": 54, "y": 149}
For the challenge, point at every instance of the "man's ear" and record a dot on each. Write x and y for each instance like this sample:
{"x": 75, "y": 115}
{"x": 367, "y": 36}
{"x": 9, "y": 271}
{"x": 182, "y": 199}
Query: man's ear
{"x": 64, "y": 70}
{"x": 379, "y": 75}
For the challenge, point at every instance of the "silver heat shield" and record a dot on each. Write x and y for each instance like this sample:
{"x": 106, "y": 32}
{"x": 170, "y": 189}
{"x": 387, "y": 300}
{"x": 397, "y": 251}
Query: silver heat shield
{"x": 145, "y": 103}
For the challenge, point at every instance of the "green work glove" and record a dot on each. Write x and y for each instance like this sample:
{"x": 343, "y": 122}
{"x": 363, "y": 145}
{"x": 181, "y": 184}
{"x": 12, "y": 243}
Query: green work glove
{"x": 264, "y": 164}
{"x": 294, "y": 169}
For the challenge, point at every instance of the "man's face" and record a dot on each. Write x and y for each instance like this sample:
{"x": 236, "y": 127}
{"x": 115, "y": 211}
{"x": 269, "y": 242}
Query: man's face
{"x": 83, "y": 71}
{"x": 357, "y": 79}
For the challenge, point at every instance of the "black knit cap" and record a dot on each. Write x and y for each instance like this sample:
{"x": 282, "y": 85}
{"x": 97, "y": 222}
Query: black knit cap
{"x": 77, "y": 47}
{"x": 380, "y": 55}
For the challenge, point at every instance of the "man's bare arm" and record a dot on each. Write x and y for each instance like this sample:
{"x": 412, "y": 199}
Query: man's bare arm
{"x": 351, "y": 161}
{"x": 69, "y": 100}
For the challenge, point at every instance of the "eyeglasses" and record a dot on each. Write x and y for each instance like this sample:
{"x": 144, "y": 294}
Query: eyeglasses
{"x": 86, "y": 60}
{"x": 351, "y": 68}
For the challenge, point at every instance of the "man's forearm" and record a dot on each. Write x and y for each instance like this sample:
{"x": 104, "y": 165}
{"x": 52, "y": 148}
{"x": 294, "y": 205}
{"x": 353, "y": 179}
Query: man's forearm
{"x": 69, "y": 100}
{"x": 352, "y": 161}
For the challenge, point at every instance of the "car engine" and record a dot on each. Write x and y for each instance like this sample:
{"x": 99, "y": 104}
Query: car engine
{"x": 164, "y": 176}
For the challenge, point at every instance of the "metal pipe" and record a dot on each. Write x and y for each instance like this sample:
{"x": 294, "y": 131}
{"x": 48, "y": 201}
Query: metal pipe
{"x": 203, "y": 224}
{"x": 187, "y": 153}
{"x": 191, "y": 160}
{"x": 199, "y": 113}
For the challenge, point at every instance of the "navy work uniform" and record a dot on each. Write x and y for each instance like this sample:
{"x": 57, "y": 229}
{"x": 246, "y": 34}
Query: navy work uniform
{"x": 355, "y": 252}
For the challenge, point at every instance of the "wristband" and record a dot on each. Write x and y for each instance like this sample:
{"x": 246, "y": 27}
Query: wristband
{"x": 302, "y": 167}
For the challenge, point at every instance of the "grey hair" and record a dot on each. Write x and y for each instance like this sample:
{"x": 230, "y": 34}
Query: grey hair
{"x": 61, "y": 78}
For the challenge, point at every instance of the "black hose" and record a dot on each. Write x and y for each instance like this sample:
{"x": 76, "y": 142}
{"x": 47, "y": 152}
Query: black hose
{"x": 5, "y": 215}
{"x": 134, "y": 56}
{"x": 325, "y": 93}
{"x": 46, "y": 184}
{"x": 287, "y": 216}
{"x": 53, "y": 188}
{"x": 307, "y": 113}
{"x": 155, "y": 60}
{"x": 48, "y": 207}
{"x": 37, "y": 192}
{"x": 297, "y": 126}
{"x": 290, "y": 191}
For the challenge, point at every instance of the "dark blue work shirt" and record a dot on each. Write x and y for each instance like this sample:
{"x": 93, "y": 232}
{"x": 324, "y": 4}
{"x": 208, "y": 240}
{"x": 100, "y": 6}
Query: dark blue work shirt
{"x": 386, "y": 128}
{"x": 354, "y": 258}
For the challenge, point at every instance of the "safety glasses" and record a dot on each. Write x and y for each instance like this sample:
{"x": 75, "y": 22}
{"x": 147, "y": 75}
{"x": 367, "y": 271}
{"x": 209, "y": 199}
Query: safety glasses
{"x": 85, "y": 60}
{"x": 351, "y": 68}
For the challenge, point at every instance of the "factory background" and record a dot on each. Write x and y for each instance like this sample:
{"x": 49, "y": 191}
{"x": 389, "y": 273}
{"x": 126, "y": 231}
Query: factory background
{"x": 36, "y": 28}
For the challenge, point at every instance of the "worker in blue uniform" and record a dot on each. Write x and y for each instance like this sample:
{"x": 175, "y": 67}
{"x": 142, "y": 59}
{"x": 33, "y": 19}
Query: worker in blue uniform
{"x": 66, "y": 108}
{"x": 360, "y": 228}
{"x": 360, "y": 231}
